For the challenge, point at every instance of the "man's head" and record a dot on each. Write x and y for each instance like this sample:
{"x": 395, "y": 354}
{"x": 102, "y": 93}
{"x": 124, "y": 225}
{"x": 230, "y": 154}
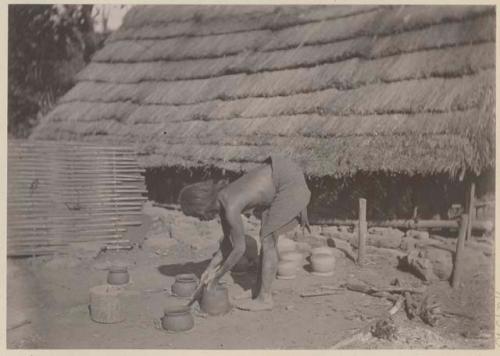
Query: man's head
{"x": 200, "y": 199}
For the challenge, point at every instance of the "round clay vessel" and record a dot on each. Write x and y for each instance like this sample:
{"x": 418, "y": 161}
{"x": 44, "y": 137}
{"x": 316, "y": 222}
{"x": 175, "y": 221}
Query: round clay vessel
{"x": 185, "y": 285}
{"x": 287, "y": 269}
{"x": 323, "y": 263}
{"x": 292, "y": 256}
{"x": 286, "y": 245}
{"x": 177, "y": 319}
{"x": 322, "y": 251}
{"x": 215, "y": 301}
{"x": 118, "y": 275}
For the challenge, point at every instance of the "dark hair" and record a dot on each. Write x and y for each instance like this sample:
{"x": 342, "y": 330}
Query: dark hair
{"x": 199, "y": 199}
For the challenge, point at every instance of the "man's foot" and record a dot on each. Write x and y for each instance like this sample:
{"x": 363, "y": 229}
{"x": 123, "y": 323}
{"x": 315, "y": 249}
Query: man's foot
{"x": 255, "y": 304}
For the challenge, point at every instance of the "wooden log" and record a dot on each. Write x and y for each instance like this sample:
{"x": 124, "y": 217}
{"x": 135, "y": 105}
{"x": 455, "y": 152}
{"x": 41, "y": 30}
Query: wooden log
{"x": 362, "y": 232}
{"x": 397, "y": 305}
{"x": 374, "y": 290}
{"x": 480, "y": 225}
{"x": 105, "y": 304}
{"x": 371, "y": 240}
{"x": 472, "y": 194}
{"x": 457, "y": 266}
{"x": 318, "y": 293}
{"x": 168, "y": 206}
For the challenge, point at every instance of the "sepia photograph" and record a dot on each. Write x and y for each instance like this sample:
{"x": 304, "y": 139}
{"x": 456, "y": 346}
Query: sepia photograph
{"x": 250, "y": 177}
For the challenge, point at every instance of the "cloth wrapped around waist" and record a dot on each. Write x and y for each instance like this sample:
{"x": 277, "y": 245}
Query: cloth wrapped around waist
{"x": 289, "y": 205}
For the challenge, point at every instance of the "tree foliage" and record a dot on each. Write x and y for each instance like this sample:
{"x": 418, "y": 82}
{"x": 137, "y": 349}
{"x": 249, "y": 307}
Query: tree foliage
{"x": 47, "y": 45}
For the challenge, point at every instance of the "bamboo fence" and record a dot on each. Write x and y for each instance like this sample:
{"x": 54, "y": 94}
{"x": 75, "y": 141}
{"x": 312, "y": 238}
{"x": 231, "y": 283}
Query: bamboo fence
{"x": 63, "y": 196}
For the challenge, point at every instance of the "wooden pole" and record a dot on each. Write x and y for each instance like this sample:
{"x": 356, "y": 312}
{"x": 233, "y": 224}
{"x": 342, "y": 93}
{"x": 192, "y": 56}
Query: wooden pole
{"x": 362, "y": 231}
{"x": 457, "y": 266}
{"x": 471, "y": 210}
{"x": 482, "y": 225}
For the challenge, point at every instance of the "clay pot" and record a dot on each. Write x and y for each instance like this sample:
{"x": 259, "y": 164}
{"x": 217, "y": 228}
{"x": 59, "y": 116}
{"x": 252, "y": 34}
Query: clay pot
{"x": 323, "y": 263}
{"x": 177, "y": 319}
{"x": 215, "y": 301}
{"x": 118, "y": 275}
{"x": 322, "y": 251}
{"x": 185, "y": 285}
{"x": 286, "y": 245}
{"x": 295, "y": 257}
{"x": 287, "y": 269}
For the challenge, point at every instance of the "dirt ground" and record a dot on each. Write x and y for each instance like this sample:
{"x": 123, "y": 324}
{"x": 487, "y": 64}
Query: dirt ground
{"x": 52, "y": 295}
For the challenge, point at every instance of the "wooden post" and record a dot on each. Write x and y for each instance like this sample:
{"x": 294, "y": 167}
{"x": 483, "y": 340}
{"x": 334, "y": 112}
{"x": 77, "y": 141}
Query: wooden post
{"x": 362, "y": 231}
{"x": 457, "y": 266}
{"x": 472, "y": 207}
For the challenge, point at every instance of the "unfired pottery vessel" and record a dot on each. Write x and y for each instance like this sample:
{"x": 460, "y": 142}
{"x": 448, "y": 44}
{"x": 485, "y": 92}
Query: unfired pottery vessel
{"x": 118, "y": 275}
{"x": 215, "y": 301}
{"x": 323, "y": 263}
{"x": 287, "y": 269}
{"x": 185, "y": 285}
{"x": 177, "y": 319}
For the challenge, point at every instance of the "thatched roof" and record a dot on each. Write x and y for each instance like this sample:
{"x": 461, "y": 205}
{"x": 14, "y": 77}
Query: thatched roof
{"x": 341, "y": 89}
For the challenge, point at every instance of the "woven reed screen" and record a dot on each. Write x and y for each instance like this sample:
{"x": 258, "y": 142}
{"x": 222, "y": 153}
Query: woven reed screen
{"x": 63, "y": 196}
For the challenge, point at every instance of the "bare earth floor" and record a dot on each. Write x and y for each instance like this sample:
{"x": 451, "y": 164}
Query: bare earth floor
{"x": 52, "y": 294}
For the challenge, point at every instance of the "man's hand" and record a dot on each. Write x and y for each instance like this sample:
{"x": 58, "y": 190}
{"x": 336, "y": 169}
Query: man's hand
{"x": 209, "y": 276}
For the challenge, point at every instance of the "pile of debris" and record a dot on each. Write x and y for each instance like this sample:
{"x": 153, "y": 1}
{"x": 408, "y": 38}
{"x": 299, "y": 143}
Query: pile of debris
{"x": 426, "y": 257}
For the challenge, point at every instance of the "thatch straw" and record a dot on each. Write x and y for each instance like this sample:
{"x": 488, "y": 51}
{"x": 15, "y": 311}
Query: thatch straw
{"x": 341, "y": 89}
{"x": 443, "y": 153}
{"x": 192, "y": 101}
{"x": 157, "y": 26}
{"x": 473, "y": 28}
{"x": 212, "y": 16}
{"x": 350, "y": 74}
{"x": 429, "y": 60}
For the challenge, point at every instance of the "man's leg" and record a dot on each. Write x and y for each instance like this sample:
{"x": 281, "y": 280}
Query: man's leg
{"x": 264, "y": 300}
{"x": 269, "y": 268}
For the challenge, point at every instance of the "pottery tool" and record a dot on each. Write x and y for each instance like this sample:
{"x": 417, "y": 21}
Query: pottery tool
{"x": 196, "y": 293}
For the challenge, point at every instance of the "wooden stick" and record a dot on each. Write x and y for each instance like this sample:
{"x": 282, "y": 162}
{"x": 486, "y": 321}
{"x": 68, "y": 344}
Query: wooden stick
{"x": 35, "y": 215}
{"x": 457, "y": 267}
{"x": 81, "y": 199}
{"x": 62, "y": 230}
{"x": 318, "y": 294}
{"x": 369, "y": 290}
{"x": 90, "y": 223}
{"x": 77, "y": 192}
{"x": 471, "y": 210}
{"x": 68, "y": 242}
{"x": 168, "y": 206}
{"x": 362, "y": 231}
{"x": 480, "y": 225}
{"x": 397, "y": 305}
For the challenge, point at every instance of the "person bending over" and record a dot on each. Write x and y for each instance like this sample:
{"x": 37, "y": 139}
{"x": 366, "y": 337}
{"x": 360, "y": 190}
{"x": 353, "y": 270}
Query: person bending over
{"x": 279, "y": 189}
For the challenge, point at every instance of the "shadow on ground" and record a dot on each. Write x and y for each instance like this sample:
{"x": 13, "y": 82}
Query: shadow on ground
{"x": 247, "y": 280}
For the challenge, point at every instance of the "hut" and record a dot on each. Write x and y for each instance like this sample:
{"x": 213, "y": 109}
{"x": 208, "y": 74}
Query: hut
{"x": 392, "y": 103}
